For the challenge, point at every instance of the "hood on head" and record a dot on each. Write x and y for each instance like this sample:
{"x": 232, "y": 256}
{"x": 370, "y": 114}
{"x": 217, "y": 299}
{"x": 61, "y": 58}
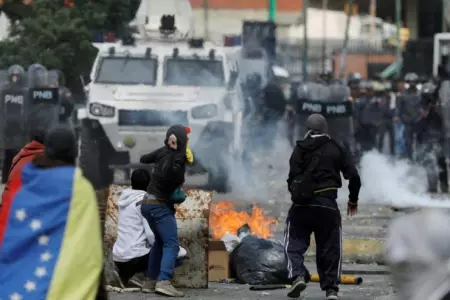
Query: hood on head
{"x": 130, "y": 196}
{"x": 180, "y": 132}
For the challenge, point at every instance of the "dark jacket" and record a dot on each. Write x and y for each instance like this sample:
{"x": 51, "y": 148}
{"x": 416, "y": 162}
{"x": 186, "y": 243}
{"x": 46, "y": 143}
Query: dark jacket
{"x": 409, "y": 104}
{"x": 333, "y": 161}
{"x": 430, "y": 129}
{"x": 169, "y": 165}
{"x": 274, "y": 101}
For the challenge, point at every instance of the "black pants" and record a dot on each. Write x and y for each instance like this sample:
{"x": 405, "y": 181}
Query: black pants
{"x": 367, "y": 137}
{"x": 129, "y": 268}
{"x": 325, "y": 223}
{"x": 8, "y": 157}
{"x": 388, "y": 129}
{"x": 409, "y": 140}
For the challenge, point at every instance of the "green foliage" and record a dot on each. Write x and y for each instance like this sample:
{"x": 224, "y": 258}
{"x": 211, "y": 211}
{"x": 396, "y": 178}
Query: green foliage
{"x": 60, "y": 37}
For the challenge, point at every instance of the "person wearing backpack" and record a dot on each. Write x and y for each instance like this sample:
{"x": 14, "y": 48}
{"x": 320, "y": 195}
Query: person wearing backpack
{"x": 313, "y": 182}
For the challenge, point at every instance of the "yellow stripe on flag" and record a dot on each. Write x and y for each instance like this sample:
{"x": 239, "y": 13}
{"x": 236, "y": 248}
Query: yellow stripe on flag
{"x": 80, "y": 262}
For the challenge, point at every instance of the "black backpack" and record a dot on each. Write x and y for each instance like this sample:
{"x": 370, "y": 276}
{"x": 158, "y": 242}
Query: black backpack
{"x": 302, "y": 187}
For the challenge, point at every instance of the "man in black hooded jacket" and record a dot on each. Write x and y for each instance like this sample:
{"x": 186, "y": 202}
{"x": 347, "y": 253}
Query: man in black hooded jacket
{"x": 319, "y": 213}
{"x": 158, "y": 209}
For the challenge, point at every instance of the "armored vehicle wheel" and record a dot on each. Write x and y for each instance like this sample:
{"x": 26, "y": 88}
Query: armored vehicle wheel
{"x": 94, "y": 149}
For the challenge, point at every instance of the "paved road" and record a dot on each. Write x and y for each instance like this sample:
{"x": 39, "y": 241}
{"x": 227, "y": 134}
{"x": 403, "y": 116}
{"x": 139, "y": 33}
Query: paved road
{"x": 374, "y": 286}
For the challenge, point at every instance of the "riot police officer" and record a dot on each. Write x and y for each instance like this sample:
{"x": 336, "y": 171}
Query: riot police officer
{"x": 13, "y": 106}
{"x": 43, "y": 97}
{"x": 353, "y": 82}
{"x": 369, "y": 116}
{"x": 66, "y": 102}
{"x": 383, "y": 98}
{"x": 273, "y": 108}
{"x": 37, "y": 76}
{"x": 430, "y": 140}
{"x": 251, "y": 89}
{"x": 408, "y": 105}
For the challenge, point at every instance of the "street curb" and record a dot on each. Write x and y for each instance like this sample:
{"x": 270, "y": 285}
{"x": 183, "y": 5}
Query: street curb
{"x": 356, "y": 250}
{"x": 365, "y": 272}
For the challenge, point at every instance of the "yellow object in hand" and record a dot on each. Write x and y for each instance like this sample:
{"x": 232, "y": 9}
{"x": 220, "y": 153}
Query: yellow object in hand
{"x": 189, "y": 155}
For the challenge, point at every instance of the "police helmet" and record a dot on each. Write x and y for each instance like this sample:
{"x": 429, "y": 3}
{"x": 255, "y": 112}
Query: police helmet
{"x": 37, "y": 75}
{"x": 411, "y": 78}
{"x": 15, "y": 73}
{"x": 354, "y": 79}
{"x": 428, "y": 89}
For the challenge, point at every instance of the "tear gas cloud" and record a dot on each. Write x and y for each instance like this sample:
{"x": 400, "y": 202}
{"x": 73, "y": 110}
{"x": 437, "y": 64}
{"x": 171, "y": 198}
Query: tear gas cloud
{"x": 389, "y": 181}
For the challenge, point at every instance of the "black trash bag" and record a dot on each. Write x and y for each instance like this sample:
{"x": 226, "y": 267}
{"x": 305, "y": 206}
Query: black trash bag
{"x": 259, "y": 261}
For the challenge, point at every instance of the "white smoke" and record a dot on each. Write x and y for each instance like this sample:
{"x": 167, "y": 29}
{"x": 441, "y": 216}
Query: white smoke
{"x": 266, "y": 178}
{"x": 389, "y": 181}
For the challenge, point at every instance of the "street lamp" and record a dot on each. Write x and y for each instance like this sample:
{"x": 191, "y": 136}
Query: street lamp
{"x": 272, "y": 10}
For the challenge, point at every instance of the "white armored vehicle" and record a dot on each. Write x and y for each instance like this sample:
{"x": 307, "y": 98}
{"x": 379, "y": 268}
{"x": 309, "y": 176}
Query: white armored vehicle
{"x": 140, "y": 87}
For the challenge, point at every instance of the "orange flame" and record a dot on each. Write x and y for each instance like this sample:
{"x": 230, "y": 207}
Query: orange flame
{"x": 225, "y": 219}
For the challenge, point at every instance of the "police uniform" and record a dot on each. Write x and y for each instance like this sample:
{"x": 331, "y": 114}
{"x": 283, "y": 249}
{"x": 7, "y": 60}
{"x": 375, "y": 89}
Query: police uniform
{"x": 13, "y": 107}
{"x": 430, "y": 141}
{"x": 368, "y": 116}
{"x": 408, "y": 105}
{"x": 319, "y": 213}
{"x": 66, "y": 104}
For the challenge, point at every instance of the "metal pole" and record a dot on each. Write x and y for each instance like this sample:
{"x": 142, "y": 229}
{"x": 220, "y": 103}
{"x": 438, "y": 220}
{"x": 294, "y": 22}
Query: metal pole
{"x": 444, "y": 12}
{"x": 272, "y": 10}
{"x": 373, "y": 15}
{"x": 346, "y": 38}
{"x": 305, "y": 40}
{"x": 398, "y": 18}
{"x": 324, "y": 33}
{"x": 206, "y": 18}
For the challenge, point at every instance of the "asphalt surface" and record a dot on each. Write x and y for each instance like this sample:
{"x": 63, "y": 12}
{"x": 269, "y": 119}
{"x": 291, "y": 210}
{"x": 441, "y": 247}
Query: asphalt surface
{"x": 373, "y": 287}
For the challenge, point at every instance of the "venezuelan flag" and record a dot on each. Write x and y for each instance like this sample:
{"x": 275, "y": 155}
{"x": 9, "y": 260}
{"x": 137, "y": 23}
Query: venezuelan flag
{"x": 52, "y": 247}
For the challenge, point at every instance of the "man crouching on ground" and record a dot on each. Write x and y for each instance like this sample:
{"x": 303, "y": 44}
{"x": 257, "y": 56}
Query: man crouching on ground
{"x": 158, "y": 208}
{"x": 134, "y": 236}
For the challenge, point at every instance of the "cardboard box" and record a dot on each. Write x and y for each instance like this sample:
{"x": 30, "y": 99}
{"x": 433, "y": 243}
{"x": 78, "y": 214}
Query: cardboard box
{"x": 218, "y": 261}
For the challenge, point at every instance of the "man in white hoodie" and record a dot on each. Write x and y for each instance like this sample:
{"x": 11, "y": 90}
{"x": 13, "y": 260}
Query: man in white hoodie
{"x": 134, "y": 236}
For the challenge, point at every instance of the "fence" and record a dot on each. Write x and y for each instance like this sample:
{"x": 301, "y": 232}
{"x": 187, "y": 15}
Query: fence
{"x": 324, "y": 56}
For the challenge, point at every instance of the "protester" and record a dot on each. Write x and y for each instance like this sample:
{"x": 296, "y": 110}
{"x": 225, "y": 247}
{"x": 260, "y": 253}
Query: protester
{"x": 314, "y": 178}
{"x": 134, "y": 236}
{"x": 158, "y": 209}
{"x": 52, "y": 246}
{"x": 39, "y": 122}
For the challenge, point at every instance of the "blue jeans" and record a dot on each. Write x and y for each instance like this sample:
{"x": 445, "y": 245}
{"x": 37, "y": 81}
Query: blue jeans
{"x": 163, "y": 254}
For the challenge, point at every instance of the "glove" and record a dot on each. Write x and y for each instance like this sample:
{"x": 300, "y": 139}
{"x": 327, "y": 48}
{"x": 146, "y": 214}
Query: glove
{"x": 189, "y": 155}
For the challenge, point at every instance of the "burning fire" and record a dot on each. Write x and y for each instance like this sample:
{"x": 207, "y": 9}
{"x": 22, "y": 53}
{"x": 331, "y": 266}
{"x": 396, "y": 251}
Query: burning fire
{"x": 225, "y": 219}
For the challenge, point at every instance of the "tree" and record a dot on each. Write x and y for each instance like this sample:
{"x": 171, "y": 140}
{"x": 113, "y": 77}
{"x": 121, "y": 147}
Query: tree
{"x": 58, "y": 34}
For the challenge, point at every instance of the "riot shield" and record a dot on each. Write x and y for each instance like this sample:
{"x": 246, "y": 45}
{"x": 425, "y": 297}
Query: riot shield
{"x": 37, "y": 76}
{"x": 53, "y": 78}
{"x": 333, "y": 103}
{"x": 310, "y": 97}
{"x": 45, "y": 99}
{"x": 14, "y": 110}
